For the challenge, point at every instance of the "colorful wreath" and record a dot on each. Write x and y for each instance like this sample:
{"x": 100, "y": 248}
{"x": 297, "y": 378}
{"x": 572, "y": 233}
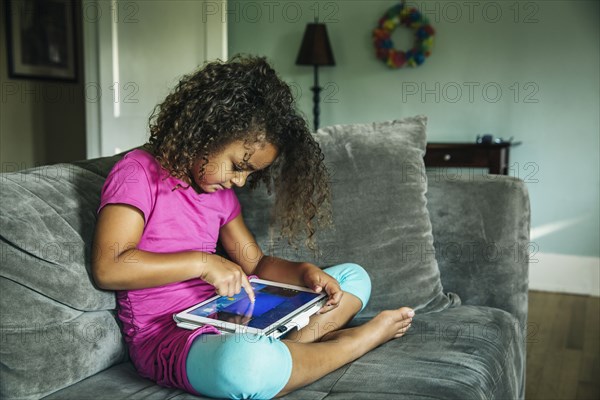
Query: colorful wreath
{"x": 413, "y": 19}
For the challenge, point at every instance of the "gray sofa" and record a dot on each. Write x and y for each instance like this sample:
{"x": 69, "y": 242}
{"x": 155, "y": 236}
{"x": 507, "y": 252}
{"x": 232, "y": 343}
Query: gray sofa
{"x": 61, "y": 338}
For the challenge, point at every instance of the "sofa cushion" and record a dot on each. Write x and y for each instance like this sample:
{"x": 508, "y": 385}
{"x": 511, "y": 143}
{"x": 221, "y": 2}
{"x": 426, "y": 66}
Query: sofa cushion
{"x": 465, "y": 352}
{"x": 47, "y": 223}
{"x": 119, "y": 382}
{"x": 379, "y": 210}
{"x": 38, "y": 357}
{"x": 57, "y": 327}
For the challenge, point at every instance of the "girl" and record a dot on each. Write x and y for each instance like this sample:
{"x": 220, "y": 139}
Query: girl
{"x": 164, "y": 206}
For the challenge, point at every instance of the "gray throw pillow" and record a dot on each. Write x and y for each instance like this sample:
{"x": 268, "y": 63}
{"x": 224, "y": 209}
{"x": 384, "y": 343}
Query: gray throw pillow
{"x": 379, "y": 211}
{"x": 57, "y": 327}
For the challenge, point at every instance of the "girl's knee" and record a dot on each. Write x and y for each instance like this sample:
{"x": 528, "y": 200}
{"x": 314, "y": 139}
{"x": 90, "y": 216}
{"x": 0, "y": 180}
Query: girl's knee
{"x": 357, "y": 272}
{"x": 244, "y": 366}
{"x": 353, "y": 279}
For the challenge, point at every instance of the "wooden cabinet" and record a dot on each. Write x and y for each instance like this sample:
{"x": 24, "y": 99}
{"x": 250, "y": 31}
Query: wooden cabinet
{"x": 494, "y": 157}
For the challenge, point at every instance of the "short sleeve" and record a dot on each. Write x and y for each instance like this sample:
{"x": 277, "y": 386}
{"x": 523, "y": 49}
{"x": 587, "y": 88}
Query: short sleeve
{"x": 233, "y": 207}
{"x": 128, "y": 183}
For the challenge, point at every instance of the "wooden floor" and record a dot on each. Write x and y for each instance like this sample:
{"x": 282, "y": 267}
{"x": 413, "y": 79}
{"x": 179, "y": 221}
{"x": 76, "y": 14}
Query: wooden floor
{"x": 562, "y": 347}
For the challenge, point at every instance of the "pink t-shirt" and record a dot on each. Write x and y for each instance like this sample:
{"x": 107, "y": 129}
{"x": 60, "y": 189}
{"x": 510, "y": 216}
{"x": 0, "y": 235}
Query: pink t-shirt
{"x": 175, "y": 220}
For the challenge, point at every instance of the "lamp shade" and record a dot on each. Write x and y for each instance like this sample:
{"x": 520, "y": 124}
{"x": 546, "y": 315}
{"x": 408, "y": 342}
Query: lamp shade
{"x": 315, "y": 48}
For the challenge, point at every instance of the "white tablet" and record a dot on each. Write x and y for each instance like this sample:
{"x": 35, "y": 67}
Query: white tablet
{"x": 278, "y": 309}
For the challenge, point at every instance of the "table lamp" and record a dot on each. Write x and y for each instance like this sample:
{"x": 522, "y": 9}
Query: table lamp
{"x": 316, "y": 51}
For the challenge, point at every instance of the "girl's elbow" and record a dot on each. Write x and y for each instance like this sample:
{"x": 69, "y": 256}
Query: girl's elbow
{"x": 100, "y": 276}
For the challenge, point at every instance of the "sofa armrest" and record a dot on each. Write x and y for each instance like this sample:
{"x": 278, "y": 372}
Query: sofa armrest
{"x": 481, "y": 238}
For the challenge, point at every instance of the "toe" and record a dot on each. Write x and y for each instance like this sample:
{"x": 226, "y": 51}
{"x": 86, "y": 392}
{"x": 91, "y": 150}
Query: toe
{"x": 407, "y": 312}
{"x": 404, "y": 330}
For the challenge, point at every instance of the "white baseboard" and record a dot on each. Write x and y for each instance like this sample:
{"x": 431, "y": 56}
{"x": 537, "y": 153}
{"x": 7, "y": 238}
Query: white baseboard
{"x": 565, "y": 274}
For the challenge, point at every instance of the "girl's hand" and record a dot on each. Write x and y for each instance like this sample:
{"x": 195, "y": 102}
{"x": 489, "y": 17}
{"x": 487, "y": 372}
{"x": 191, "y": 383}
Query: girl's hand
{"x": 318, "y": 281}
{"x": 228, "y": 279}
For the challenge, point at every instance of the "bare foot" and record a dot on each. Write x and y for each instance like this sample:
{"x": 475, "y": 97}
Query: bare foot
{"x": 385, "y": 326}
{"x": 390, "y": 324}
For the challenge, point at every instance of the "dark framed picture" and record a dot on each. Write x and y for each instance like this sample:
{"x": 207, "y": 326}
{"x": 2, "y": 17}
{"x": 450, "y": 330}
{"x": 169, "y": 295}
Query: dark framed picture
{"x": 41, "y": 39}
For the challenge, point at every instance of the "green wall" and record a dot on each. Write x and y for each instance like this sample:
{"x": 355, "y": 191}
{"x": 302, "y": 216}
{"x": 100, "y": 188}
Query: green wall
{"x": 543, "y": 56}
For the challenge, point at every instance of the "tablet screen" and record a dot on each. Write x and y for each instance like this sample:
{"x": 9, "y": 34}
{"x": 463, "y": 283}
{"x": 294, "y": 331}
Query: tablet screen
{"x": 272, "y": 303}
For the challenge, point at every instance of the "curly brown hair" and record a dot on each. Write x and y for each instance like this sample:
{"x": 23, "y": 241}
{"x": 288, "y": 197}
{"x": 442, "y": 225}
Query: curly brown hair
{"x": 244, "y": 99}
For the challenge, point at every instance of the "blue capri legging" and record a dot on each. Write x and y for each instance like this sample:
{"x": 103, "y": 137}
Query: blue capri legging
{"x": 256, "y": 367}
